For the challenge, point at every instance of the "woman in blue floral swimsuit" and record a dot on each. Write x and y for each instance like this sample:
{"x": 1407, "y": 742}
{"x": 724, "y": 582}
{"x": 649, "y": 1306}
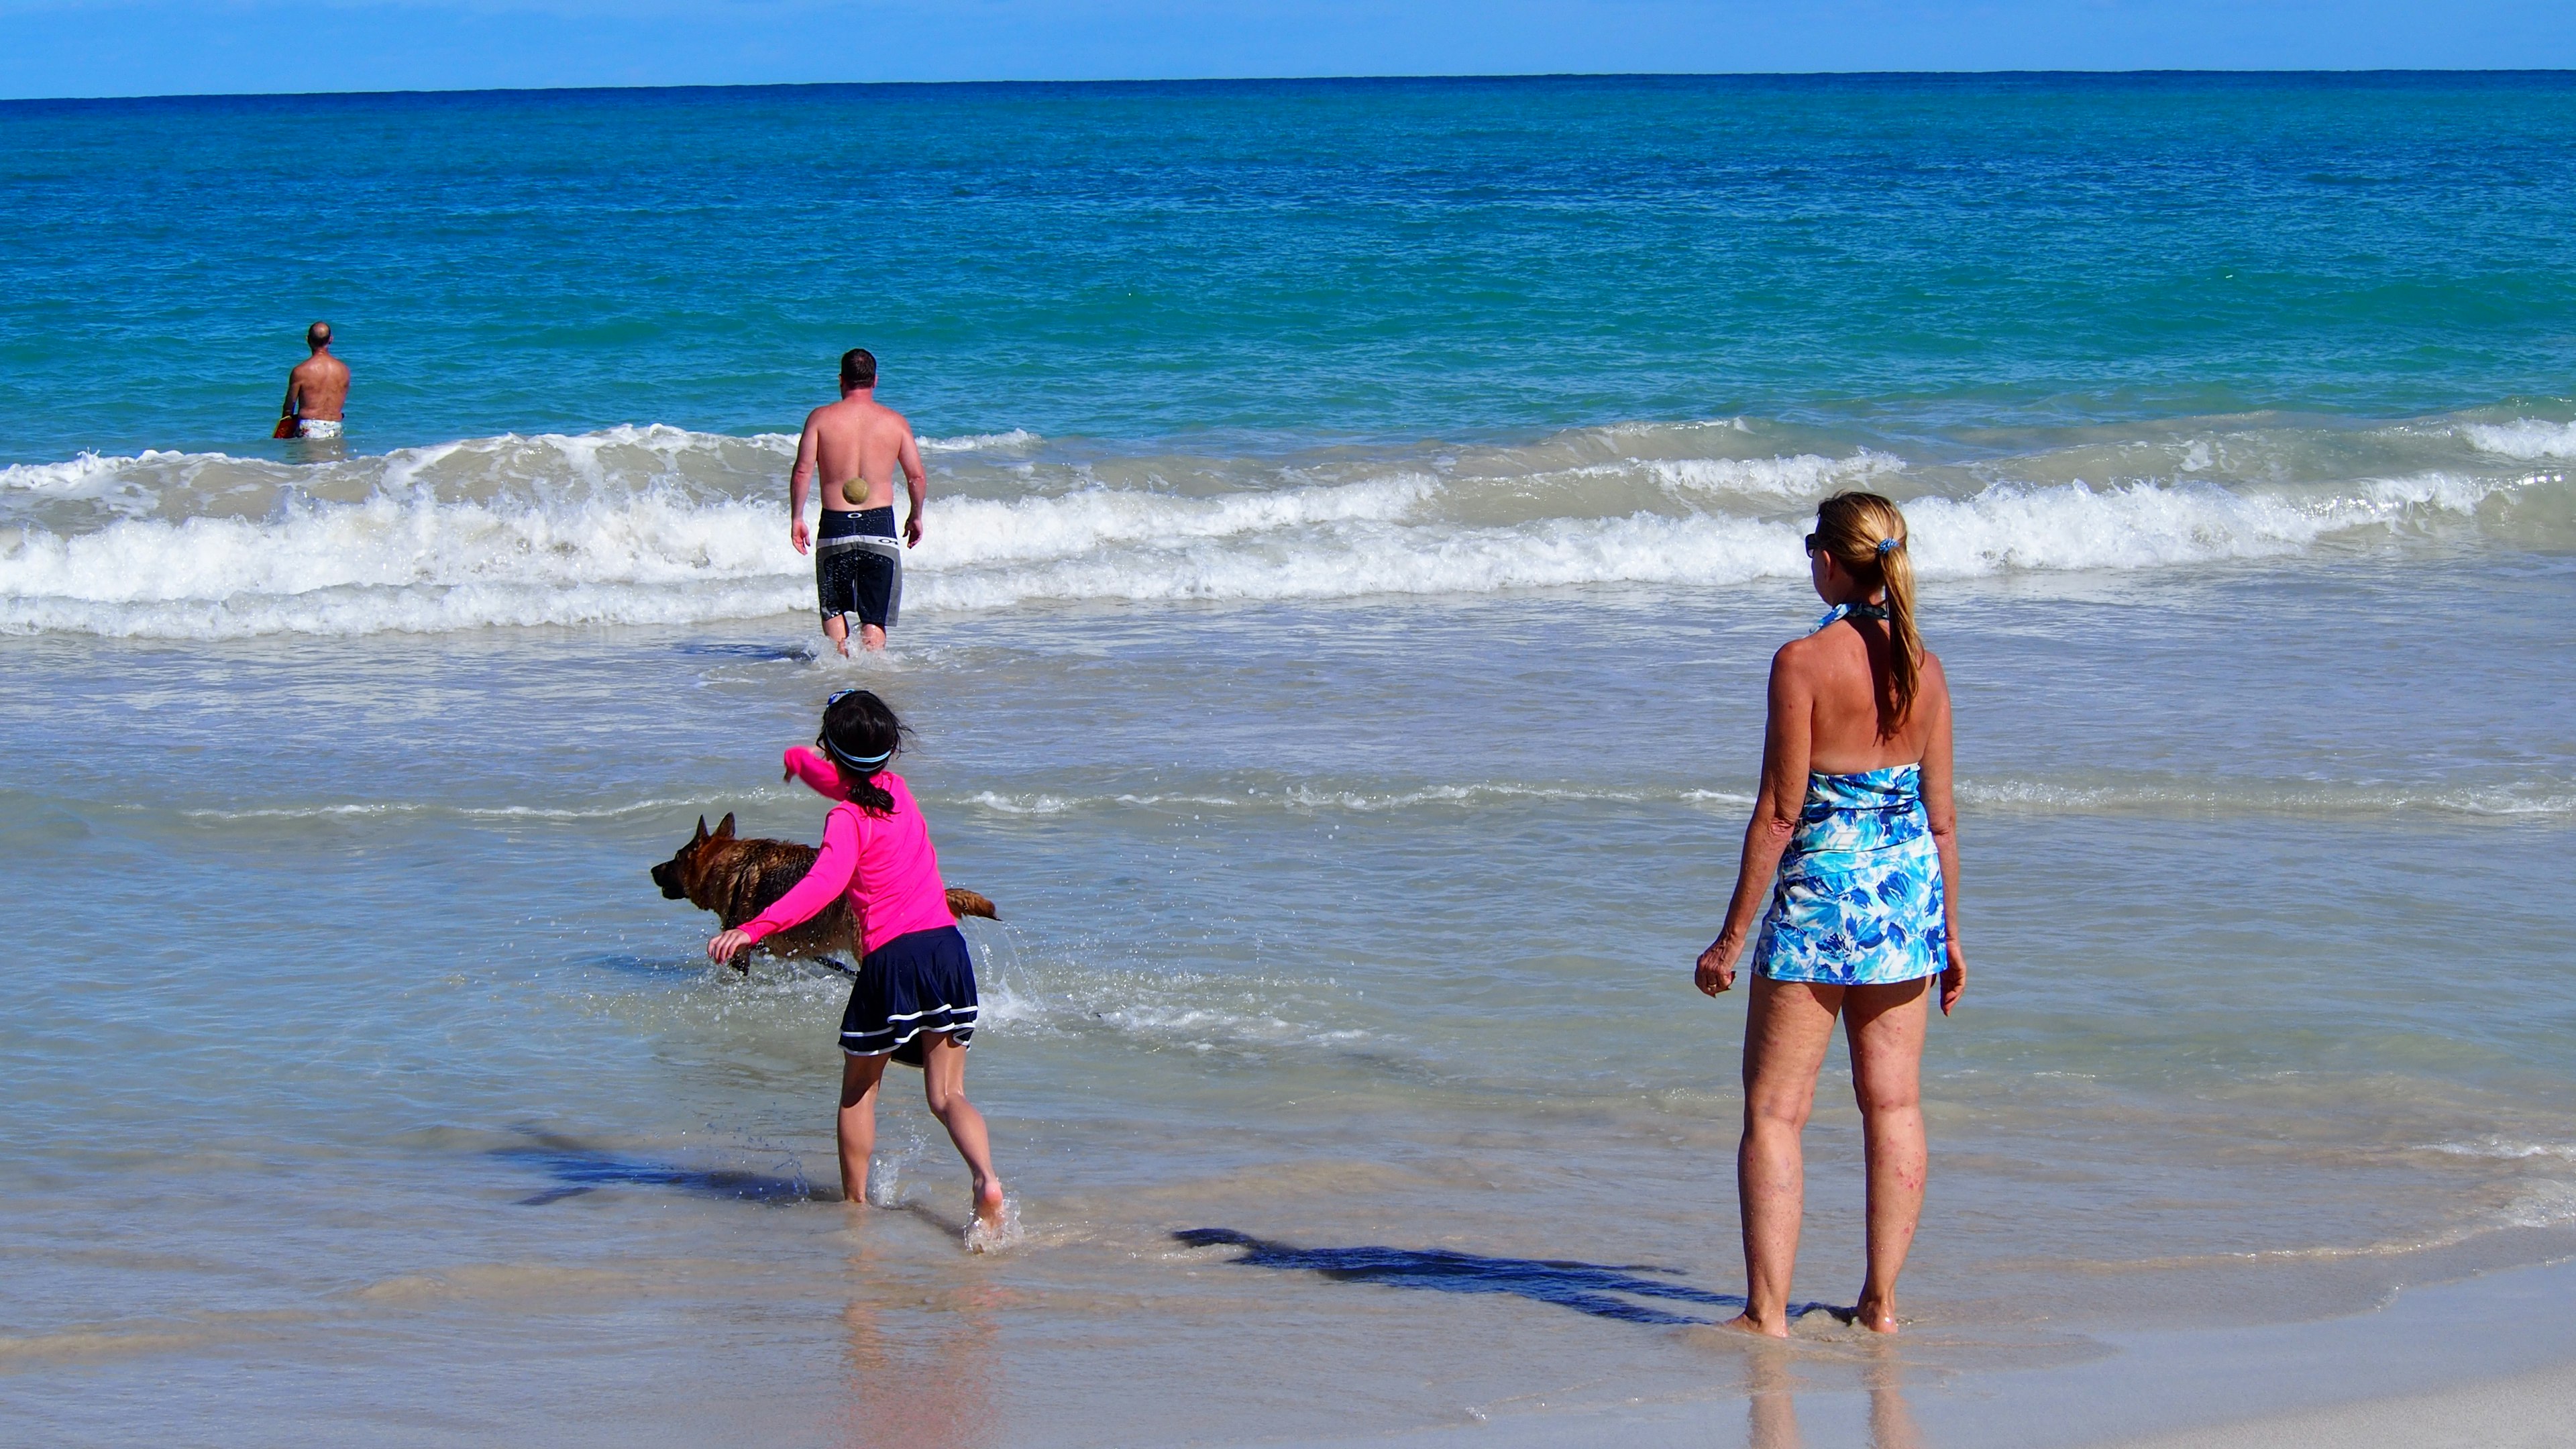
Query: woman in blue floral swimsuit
{"x": 1855, "y": 819}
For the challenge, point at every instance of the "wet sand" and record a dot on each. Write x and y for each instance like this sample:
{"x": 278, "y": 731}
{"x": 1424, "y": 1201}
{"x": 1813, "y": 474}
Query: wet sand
{"x": 2488, "y": 1361}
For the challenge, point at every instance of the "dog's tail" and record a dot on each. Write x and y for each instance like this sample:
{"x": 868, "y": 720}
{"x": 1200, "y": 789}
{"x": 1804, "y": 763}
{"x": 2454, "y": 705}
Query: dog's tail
{"x": 967, "y": 903}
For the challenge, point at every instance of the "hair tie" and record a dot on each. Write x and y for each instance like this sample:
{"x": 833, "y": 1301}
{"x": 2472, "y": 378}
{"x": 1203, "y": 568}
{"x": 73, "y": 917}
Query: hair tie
{"x": 1887, "y": 546}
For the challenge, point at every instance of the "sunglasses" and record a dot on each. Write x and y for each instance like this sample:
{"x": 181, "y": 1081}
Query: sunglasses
{"x": 1811, "y": 543}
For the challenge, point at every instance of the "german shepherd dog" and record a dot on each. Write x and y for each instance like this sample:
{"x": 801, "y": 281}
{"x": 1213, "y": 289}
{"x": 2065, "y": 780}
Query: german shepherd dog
{"x": 738, "y": 879}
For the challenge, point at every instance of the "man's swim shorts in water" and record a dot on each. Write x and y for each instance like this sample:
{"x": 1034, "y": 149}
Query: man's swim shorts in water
{"x": 858, "y": 565}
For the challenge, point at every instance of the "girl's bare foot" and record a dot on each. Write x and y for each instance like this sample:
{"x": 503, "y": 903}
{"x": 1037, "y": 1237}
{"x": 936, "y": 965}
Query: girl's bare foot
{"x": 1878, "y": 1315}
{"x": 992, "y": 1216}
{"x": 1745, "y": 1322}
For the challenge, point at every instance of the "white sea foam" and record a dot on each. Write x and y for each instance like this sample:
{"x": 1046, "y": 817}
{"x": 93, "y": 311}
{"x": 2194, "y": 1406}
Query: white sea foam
{"x": 658, "y": 525}
{"x": 1017, "y": 439}
{"x": 1805, "y": 475}
{"x": 1167, "y": 1010}
{"x": 85, "y": 472}
{"x": 2542, "y": 1205}
{"x": 1308, "y": 799}
{"x": 2507, "y": 1149}
{"x": 2520, "y": 800}
{"x": 2530, "y": 438}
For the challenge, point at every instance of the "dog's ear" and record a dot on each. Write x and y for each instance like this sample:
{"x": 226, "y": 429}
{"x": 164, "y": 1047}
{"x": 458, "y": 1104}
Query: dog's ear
{"x": 724, "y": 828}
{"x": 702, "y": 830}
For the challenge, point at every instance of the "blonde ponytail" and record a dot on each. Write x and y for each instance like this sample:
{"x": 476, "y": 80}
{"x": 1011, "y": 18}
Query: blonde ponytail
{"x": 1865, "y": 533}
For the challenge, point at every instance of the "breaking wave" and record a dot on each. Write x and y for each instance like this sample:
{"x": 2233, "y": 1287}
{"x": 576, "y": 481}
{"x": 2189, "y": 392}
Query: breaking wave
{"x": 657, "y": 525}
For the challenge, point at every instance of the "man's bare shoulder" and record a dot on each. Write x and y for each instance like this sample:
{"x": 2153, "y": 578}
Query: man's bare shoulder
{"x": 837, "y": 418}
{"x": 887, "y": 419}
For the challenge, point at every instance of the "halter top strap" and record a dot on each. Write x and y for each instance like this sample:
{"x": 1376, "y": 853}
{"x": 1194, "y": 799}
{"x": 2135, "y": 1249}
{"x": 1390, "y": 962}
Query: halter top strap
{"x": 1853, "y": 612}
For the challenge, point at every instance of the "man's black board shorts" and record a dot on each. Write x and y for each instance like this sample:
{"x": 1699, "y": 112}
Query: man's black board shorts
{"x": 858, "y": 565}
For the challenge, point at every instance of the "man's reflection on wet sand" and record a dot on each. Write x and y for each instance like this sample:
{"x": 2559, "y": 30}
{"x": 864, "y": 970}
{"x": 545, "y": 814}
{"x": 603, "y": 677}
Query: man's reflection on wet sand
{"x": 924, "y": 1369}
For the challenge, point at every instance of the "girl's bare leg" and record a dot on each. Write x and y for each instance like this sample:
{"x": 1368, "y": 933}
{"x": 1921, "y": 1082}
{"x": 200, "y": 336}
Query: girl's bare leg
{"x": 1885, "y": 1025}
{"x": 1785, "y": 1035}
{"x": 858, "y": 1124}
{"x": 943, "y": 1081}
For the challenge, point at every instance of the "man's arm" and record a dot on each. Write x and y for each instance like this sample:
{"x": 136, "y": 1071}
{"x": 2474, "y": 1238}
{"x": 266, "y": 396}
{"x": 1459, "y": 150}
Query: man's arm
{"x": 915, "y": 482}
{"x": 800, "y": 478}
{"x": 294, "y": 384}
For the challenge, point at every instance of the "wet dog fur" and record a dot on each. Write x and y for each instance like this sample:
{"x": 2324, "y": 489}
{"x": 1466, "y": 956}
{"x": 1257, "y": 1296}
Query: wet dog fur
{"x": 738, "y": 879}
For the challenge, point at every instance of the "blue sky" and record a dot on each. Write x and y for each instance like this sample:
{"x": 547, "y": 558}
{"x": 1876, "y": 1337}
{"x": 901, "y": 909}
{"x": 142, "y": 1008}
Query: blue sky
{"x": 161, "y": 47}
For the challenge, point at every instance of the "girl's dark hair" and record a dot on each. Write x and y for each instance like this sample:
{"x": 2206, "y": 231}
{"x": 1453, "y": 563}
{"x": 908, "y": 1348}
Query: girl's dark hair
{"x": 861, "y": 737}
{"x": 1866, "y": 535}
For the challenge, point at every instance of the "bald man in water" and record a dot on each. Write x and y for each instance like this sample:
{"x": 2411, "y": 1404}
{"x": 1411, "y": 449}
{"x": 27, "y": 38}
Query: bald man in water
{"x": 856, "y": 444}
{"x": 317, "y": 389}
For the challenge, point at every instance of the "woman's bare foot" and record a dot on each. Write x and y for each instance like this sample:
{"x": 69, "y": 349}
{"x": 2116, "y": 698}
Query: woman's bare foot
{"x": 990, "y": 1208}
{"x": 1745, "y": 1322}
{"x": 1878, "y": 1315}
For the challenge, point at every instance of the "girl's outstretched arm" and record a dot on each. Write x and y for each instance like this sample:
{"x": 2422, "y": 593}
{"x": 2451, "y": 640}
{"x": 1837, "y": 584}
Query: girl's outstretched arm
{"x": 827, "y": 882}
{"x": 820, "y": 775}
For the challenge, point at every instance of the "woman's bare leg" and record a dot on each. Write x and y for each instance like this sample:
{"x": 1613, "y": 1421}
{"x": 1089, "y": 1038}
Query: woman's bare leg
{"x": 1786, "y": 1031}
{"x": 858, "y": 1122}
{"x": 943, "y": 1082}
{"x": 1885, "y": 1025}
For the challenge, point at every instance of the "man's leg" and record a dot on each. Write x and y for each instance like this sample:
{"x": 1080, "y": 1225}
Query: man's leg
{"x": 836, "y": 627}
{"x": 858, "y": 1122}
{"x": 871, "y": 638}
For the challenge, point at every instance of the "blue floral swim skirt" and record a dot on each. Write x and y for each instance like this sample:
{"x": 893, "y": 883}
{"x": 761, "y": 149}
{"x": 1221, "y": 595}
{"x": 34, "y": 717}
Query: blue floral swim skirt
{"x": 1858, "y": 901}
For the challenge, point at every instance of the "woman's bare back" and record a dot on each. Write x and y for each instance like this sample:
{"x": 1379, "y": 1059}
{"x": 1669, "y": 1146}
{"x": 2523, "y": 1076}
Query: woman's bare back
{"x": 1844, "y": 668}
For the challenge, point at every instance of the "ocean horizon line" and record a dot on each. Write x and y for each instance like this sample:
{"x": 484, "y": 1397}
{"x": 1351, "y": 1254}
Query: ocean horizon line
{"x": 2356, "y": 78}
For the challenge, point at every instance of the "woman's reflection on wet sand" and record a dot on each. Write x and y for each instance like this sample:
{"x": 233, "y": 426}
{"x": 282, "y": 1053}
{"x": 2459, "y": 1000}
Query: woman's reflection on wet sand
{"x": 1771, "y": 1406}
{"x": 1891, "y": 1420}
{"x": 1771, "y": 1403}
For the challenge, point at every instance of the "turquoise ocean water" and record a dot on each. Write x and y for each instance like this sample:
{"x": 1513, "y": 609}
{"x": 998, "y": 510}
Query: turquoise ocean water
{"x": 1361, "y": 516}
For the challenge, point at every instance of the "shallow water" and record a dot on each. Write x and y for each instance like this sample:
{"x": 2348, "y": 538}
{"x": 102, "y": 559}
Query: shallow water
{"x": 1355, "y": 808}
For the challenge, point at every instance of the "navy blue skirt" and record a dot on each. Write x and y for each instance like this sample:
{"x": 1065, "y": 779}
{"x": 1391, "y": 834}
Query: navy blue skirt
{"x": 920, "y": 982}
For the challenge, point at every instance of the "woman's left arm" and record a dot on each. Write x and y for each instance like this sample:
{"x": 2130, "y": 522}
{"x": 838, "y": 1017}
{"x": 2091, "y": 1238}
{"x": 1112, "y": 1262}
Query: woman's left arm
{"x": 1942, "y": 810}
{"x": 1787, "y": 744}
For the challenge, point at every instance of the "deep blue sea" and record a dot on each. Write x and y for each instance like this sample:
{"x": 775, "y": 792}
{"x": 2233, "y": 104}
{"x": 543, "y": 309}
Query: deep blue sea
{"x": 1366, "y": 259}
{"x": 1362, "y": 513}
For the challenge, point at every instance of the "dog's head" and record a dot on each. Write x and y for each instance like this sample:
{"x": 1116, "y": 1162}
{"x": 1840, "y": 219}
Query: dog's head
{"x": 681, "y": 876}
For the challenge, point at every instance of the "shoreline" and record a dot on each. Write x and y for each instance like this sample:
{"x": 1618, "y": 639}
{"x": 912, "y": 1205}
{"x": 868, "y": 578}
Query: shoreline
{"x": 2486, "y": 1360}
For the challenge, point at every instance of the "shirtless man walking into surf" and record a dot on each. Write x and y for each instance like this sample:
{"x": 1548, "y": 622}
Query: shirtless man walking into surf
{"x": 316, "y": 391}
{"x": 856, "y": 444}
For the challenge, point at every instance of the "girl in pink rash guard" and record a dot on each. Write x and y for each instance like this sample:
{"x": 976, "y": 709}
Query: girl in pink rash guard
{"x": 916, "y": 986}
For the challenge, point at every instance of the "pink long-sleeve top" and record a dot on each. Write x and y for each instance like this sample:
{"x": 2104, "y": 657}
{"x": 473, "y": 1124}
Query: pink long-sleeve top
{"x": 884, "y": 864}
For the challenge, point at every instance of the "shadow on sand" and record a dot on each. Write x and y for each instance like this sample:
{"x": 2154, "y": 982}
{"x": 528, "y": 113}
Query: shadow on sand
{"x": 578, "y": 1168}
{"x": 768, "y": 653}
{"x": 1583, "y": 1287}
